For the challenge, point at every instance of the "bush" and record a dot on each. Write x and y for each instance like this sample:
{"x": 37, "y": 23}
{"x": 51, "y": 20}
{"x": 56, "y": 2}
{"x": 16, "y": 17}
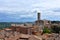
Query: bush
{"x": 46, "y": 30}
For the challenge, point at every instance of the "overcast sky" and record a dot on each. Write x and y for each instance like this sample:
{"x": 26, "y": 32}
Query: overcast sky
{"x": 26, "y": 10}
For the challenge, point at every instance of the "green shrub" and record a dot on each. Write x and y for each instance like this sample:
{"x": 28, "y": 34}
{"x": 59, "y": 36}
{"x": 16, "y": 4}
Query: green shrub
{"x": 46, "y": 30}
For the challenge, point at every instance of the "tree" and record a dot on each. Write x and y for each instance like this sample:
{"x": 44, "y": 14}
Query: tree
{"x": 55, "y": 29}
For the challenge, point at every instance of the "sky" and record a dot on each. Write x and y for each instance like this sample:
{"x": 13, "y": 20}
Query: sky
{"x": 26, "y": 10}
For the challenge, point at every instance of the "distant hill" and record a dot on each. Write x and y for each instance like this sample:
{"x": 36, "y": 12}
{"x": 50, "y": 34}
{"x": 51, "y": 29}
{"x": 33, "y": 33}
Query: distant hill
{"x": 55, "y": 22}
{"x": 8, "y": 24}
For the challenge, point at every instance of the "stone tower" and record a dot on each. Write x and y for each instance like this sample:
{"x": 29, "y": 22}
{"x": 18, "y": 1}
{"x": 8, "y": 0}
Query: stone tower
{"x": 38, "y": 19}
{"x": 38, "y": 16}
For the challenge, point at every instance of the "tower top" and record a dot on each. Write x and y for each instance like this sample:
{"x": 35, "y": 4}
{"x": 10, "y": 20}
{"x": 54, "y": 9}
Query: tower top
{"x": 38, "y": 16}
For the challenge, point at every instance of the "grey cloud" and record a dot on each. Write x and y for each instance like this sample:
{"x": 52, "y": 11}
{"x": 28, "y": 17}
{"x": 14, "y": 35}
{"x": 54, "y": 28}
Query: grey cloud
{"x": 56, "y": 10}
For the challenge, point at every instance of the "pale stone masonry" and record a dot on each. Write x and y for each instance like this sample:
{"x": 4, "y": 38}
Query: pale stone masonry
{"x": 9, "y": 35}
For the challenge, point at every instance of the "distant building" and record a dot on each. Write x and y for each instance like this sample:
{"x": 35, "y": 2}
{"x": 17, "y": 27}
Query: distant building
{"x": 42, "y": 23}
{"x": 22, "y": 29}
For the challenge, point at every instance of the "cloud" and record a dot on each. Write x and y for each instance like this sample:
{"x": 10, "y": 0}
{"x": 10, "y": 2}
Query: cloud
{"x": 18, "y": 9}
{"x": 56, "y": 10}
